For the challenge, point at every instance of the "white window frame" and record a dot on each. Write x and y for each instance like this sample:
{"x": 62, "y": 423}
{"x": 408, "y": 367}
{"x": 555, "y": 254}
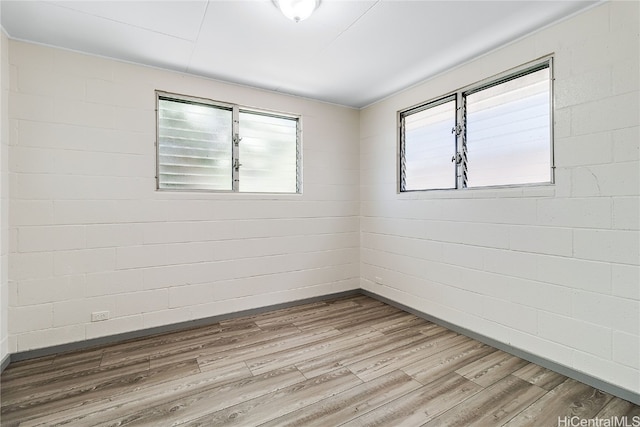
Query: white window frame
{"x": 236, "y": 162}
{"x": 459, "y": 147}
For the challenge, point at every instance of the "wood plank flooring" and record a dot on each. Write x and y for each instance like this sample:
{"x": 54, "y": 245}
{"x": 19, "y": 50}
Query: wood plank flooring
{"x": 352, "y": 361}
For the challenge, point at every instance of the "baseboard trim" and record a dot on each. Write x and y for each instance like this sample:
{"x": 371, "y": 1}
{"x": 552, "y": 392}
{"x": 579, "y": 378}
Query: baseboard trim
{"x": 5, "y": 362}
{"x": 142, "y": 333}
{"x": 545, "y": 363}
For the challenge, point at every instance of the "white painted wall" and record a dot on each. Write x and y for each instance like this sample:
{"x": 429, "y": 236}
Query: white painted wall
{"x": 90, "y": 233}
{"x": 553, "y": 269}
{"x": 4, "y": 194}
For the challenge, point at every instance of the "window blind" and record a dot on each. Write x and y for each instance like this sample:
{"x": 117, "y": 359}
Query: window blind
{"x": 268, "y": 153}
{"x": 508, "y": 131}
{"x": 194, "y": 146}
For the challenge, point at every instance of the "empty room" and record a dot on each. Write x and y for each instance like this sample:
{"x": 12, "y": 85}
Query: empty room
{"x": 320, "y": 213}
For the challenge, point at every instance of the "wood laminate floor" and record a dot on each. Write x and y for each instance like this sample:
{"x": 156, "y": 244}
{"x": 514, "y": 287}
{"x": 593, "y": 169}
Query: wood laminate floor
{"x": 352, "y": 361}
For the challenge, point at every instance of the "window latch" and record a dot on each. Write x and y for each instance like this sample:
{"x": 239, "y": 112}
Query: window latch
{"x": 457, "y": 130}
{"x": 457, "y": 158}
{"x": 236, "y": 139}
{"x": 237, "y": 164}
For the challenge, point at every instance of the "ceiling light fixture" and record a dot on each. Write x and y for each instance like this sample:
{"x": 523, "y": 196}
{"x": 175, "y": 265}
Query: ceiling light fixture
{"x": 297, "y": 10}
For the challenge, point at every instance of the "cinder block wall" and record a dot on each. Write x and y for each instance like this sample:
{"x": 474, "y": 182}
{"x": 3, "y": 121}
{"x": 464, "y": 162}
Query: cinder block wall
{"x": 552, "y": 270}
{"x": 88, "y": 231}
{"x": 4, "y": 195}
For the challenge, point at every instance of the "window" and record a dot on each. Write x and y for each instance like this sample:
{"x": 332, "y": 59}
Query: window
{"x": 491, "y": 134}
{"x": 427, "y": 146}
{"x": 206, "y": 145}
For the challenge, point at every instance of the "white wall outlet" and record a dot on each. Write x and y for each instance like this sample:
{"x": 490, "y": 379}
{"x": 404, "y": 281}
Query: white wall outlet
{"x": 98, "y": 316}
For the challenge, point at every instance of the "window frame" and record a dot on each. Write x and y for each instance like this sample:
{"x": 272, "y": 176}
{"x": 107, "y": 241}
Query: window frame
{"x": 236, "y": 162}
{"x": 460, "y": 127}
{"x": 415, "y": 110}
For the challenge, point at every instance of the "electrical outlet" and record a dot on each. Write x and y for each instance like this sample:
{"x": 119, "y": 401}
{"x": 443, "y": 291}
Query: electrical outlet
{"x": 98, "y": 316}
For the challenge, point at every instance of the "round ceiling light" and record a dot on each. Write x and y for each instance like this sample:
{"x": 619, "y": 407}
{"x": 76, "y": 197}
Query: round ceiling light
{"x": 297, "y": 10}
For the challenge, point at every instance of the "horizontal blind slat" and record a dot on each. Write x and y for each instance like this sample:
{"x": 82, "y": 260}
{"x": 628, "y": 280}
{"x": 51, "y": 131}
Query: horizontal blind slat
{"x": 428, "y": 146}
{"x": 508, "y": 132}
{"x": 194, "y": 146}
{"x": 268, "y": 153}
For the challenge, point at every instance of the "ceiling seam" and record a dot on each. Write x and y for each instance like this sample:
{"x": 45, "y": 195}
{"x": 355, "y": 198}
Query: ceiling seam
{"x": 326, "y": 47}
{"x": 122, "y": 22}
{"x": 195, "y": 42}
{"x": 350, "y": 25}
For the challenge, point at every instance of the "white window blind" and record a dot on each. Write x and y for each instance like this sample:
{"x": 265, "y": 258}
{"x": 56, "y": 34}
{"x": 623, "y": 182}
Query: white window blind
{"x": 508, "y": 129}
{"x": 194, "y": 146}
{"x": 428, "y": 143}
{"x": 268, "y": 153}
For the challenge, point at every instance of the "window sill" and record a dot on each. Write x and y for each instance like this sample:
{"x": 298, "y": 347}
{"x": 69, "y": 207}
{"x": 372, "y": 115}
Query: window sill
{"x": 162, "y": 194}
{"x": 510, "y": 191}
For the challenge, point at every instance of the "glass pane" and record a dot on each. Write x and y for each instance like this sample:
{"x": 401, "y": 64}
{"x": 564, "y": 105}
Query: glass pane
{"x": 428, "y": 148}
{"x": 194, "y": 146}
{"x": 508, "y": 132}
{"x": 268, "y": 153}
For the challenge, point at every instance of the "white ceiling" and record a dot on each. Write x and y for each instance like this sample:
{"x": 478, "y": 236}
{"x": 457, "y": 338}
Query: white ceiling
{"x": 351, "y": 53}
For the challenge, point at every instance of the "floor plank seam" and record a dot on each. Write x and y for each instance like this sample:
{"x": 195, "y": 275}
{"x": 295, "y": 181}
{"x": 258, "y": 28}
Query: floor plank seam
{"x": 354, "y": 361}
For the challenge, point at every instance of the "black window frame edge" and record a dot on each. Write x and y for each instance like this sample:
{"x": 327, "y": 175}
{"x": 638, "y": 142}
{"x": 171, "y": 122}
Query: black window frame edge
{"x": 459, "y": 94}
{"x": 236, "y": 109}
